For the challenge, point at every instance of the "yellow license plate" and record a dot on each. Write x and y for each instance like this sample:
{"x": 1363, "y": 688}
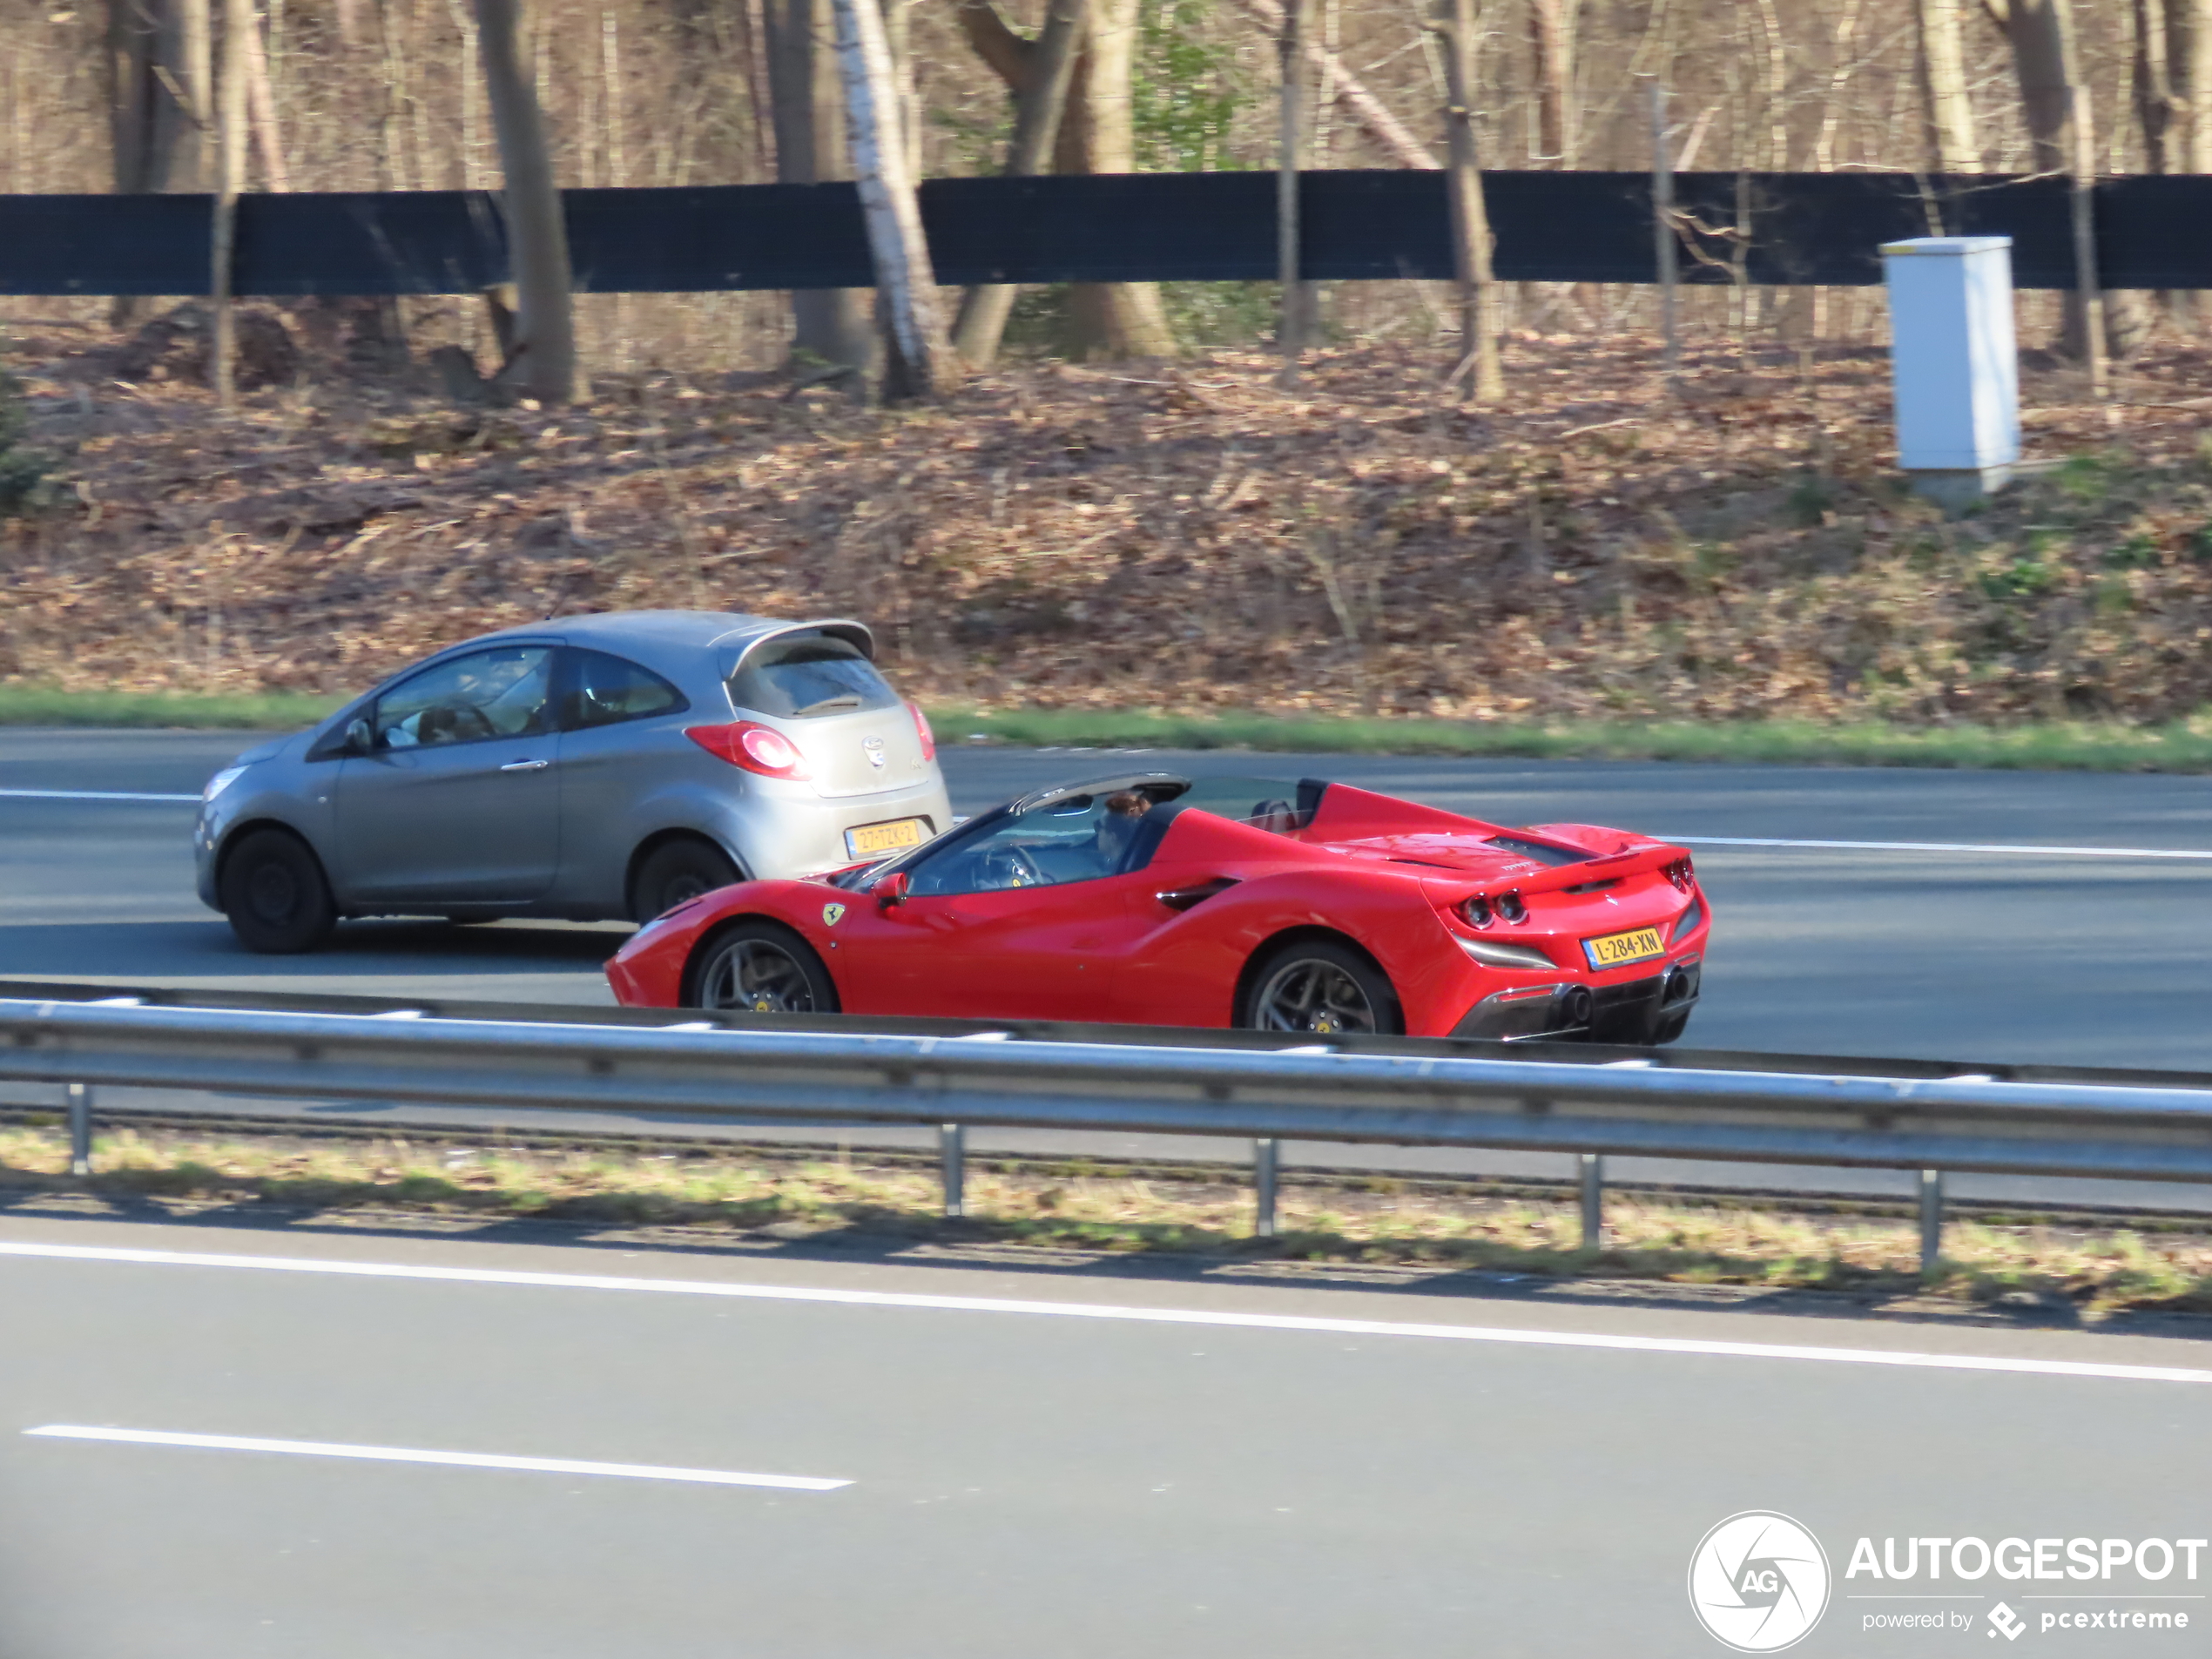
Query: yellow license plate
{"x": 871, "y": 839}
{"x": 1633, "y": 947}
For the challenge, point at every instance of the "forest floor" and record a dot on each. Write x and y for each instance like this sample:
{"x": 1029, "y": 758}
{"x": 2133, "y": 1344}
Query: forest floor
{"x": 1104, "y": 546}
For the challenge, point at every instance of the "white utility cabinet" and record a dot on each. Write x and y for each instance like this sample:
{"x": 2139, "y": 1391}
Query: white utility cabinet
{"x": 1954, "y": 365}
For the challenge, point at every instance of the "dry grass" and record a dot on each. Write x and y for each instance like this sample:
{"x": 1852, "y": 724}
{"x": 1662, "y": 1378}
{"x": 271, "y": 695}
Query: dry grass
{"x": 1188, "y": 538}
{"x": 1377, "y": 1221}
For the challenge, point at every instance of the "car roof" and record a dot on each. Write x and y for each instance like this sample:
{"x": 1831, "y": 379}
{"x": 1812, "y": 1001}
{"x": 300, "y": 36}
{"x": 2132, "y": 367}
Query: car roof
{"x": 683, "y": 630}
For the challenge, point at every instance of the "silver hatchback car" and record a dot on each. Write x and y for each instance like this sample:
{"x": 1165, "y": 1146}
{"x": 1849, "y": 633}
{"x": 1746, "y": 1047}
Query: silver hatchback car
{"x": 594, "y": 768}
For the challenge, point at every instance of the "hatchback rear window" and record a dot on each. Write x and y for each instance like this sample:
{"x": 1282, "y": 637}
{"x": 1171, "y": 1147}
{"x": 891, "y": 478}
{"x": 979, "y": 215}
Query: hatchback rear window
{"x": 793, "y": 679}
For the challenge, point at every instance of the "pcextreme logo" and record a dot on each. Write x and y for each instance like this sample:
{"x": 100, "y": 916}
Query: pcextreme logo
{"x": 1758, "y": 1581}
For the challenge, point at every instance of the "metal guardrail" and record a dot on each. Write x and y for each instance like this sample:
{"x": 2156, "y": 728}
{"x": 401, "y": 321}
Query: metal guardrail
{"x": 2138, "y": 1130}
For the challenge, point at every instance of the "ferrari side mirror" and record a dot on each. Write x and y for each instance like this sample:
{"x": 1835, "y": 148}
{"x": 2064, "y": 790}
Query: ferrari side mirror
{"x": 891, "y": 890}
{"x": 360, "y": 737}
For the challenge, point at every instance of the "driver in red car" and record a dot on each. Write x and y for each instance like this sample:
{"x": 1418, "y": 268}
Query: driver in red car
{"x": 1118, "y": 827}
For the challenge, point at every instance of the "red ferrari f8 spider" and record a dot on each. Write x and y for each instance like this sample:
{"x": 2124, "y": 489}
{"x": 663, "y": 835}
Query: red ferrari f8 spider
{"x": 1227, "y": 901}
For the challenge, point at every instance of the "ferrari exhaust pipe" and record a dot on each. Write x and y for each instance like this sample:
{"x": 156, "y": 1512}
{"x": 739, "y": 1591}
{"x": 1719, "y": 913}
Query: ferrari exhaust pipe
{"x": 1576, "y": 1005}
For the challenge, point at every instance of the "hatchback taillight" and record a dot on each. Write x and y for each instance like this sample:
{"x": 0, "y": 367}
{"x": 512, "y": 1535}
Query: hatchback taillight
{"x": 757, "y": 748}
{"x": 921, "y": 730}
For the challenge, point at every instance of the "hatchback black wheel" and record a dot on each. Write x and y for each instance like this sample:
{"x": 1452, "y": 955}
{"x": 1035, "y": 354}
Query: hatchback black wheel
{"x": 676, "y": 872}
{"x": 759, "y": 967}
{"x": 273, "y": 892}
{"x": 1323, "y": 988}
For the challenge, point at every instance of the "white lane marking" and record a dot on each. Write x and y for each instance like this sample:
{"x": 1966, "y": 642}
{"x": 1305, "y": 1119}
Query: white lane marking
{"x": 458, "y": 1460}
{"x": 85, "y": 794}
{"x": 1107, "y": 1310}
{"x": 1940, "y": 846}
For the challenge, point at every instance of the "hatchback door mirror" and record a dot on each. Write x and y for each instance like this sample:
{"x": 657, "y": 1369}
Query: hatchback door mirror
{"x": 360, "y": 737}
{"x": 891, "y": 890}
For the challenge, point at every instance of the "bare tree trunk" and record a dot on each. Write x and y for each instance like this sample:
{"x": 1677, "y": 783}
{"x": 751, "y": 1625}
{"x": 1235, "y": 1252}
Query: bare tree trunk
{"x": 1470, "y": 217}
{"x": 544, "y": 363}
{"x": 1290, "y": 324}
{"x": 155, "y": 143}
{"x": 196, "y": 42}
{"x": 238, "y": 26}
{"x": 2155, "y": 104}
{"x": 1665, "y": 248}
{"x": 1046, "y": 67}
{"x": 2189, "y": 66}
{"x": 260, "y": 102}
{"x": 1369, "y": 110}
{"x": 1945, "y": 101}
{"x": 2062, "y": 135}
{"x": 829, "y": 326}
{"x": 919, "y": 361}
{"x": 1551, "y": 31}
{"x": 1108, "y": 318}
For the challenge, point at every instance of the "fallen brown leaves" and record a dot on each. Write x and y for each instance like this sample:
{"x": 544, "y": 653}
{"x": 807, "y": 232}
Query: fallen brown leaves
{"x": 1188, "y": 537}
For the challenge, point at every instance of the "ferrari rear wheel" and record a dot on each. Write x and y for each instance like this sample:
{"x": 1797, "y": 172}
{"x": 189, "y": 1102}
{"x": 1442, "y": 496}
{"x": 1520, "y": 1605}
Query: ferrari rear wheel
{"x": 759, "y": 967}
{"x": 1322, "y": 988}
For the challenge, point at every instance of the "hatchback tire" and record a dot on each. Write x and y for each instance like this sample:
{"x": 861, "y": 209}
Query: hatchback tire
{"x": 275, "y": 896}
{"x": 761, "y": 968}
{"x": 676, "y": 872}
{"x": 1321, "y": 987}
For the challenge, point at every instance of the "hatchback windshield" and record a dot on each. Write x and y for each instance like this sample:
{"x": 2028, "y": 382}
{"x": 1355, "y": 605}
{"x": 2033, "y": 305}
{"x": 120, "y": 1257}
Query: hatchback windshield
{"x": 794, "y": 678}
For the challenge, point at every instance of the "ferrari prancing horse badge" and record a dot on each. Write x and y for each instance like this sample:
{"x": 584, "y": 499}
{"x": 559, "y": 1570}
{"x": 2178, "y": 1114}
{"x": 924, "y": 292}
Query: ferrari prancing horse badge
{"x": 831, "y": 915}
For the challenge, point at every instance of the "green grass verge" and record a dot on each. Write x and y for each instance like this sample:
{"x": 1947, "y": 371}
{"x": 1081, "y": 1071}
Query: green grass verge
{"x": 2054, "y": 746}
{"x": 272, "y": 712}
{"x": 2057, "y": 746}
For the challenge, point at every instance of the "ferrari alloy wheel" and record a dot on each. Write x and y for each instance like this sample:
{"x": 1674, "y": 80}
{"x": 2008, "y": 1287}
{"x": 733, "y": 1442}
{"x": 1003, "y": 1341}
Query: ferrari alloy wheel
{"x": 757, "y": 968}
{"x": 1323, "y": 989}
{"x": 273, "y": 892}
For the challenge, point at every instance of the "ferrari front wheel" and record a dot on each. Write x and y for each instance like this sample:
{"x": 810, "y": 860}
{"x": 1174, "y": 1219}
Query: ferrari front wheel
{"x": 1324, "y": 989}
{"x": 759, "y": 967}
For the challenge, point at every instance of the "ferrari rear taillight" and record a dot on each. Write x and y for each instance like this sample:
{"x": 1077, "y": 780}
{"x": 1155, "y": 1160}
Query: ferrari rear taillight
{"x": 921, "y": 730}
{"x": 1682, "y": 873}
{"x": 756, "y": 748}
{"x": 1510, "y": 907}
{"x": 1476, "y": 911}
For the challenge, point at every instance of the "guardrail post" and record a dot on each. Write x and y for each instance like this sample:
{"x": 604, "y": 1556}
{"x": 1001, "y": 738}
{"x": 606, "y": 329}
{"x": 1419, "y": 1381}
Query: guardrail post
{"x": 80, "y": 1129}
{"x": 1266, "y": 1167}
{"x": 952, "y": 1153}
{"x": 1593, "y": 1201}
{"x": 1931, "y": 1218}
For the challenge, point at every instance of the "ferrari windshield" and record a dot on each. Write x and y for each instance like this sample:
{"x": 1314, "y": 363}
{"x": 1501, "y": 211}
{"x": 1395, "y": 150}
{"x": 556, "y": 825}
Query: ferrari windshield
{"x": 1085, "y": 831}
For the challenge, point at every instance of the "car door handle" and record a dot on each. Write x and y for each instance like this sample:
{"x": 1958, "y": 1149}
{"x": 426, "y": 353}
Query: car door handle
{"x": 526, "y": 766}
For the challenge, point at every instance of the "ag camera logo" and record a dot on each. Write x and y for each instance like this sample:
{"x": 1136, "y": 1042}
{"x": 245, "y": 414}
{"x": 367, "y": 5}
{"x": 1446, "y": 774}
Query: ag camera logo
{"x": 1758, "y": 1581}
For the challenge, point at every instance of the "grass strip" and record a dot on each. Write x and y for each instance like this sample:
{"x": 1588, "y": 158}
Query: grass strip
{"x": 2180, "y": 746}
{"x": 1378, "y": 1220}
{"x": 2054, "y": 746}
{"x": 269, "y": 711}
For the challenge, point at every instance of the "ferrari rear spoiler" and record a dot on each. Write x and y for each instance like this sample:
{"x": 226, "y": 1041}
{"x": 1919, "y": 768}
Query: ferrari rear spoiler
{"x": 1612, "y": 866}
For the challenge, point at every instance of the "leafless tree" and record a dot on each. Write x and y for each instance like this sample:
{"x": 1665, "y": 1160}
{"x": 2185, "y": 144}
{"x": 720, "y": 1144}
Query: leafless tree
{"x": 829, "y": 326}
{"x": 1045, "y": 71}
{"x": 1096, "y": 135}
{"x": 1456, "y": 25}
{"x": 918, "y": 362}
{"x": 544, "y": 363}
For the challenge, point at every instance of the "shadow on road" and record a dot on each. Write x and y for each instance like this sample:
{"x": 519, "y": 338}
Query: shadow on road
{"x": 142, "y": 952}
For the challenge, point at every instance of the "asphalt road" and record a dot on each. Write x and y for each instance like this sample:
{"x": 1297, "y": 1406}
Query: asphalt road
{"x": 1032, "y": 1464}
{"x": 1913, "y": 947}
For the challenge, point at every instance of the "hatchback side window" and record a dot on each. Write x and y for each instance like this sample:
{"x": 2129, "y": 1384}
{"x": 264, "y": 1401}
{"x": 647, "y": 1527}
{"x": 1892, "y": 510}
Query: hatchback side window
{"x": 605, "y": 689}
{"x": 505, "y": 692}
